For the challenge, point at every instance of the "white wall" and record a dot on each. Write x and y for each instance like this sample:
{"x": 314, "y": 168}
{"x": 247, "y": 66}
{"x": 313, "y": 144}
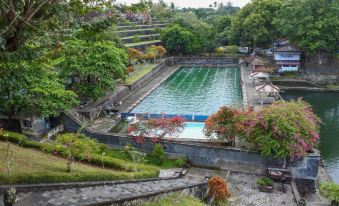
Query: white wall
{"x": 285, "y": 56}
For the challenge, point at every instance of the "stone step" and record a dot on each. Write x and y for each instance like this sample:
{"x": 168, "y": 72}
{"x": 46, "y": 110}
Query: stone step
{"x": 135, "y": 26}
{"x": 107, "y": 194}
{"x": 131, "y": 39}
{"x": 143, "y": 44}
{"x": 133, "y": 32}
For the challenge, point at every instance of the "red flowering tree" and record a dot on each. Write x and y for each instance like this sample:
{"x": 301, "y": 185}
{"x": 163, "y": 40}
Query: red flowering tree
{"x": 222, "y": 124}
{"x": 283, "y": 129}
{"x": 157, "y": 129}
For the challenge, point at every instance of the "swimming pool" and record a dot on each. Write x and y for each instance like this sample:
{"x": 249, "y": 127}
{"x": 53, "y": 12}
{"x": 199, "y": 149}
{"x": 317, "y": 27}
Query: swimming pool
{"x": 193, "y": 130}
{"x": 194, "y": 90}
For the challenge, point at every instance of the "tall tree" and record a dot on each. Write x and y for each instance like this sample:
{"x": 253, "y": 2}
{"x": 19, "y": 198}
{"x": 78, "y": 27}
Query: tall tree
{"x": 29, "y": 87}
{"x": 253, "y": 24}
{"x": 178, "y": 39}
{"x": 18, "y": 17}
{"x": 96, "y": 65}
{"x": 312, "y": 24}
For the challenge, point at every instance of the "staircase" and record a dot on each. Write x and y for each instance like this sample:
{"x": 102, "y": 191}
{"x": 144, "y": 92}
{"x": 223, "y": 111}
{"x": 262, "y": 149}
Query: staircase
{"x": 140, "y": 36}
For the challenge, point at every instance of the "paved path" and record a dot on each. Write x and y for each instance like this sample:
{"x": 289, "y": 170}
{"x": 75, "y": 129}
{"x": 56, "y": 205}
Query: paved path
{"x": 100, "y": 194}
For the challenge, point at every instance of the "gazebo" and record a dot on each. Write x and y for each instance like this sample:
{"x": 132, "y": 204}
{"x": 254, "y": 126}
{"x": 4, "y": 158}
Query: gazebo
{"x": 269, "y": 89}
{"x": 259, "y": 75}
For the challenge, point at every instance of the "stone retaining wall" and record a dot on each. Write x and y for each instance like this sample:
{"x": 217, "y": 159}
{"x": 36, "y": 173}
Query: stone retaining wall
{"x": 200, "y": 154}
{"x": 203, "y": 61}
{"x": 148, "y": 76}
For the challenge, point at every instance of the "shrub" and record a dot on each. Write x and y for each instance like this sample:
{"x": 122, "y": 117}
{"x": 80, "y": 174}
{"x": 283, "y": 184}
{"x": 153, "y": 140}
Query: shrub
{"x": 330, "y": 190}
{"x": 157, "y": 155}
{"x": 129, "y": 70}
{"x": 218, "y": 188}
{"x": 283, "y": 129}
{"x": 264, "y": 181}
{"x": 220, "y": 51}
{"x": 133, "y": 154}
{"x": 136, "y": 38}
{"x": 181, "y": 162}
{"x": 233, "y": 49}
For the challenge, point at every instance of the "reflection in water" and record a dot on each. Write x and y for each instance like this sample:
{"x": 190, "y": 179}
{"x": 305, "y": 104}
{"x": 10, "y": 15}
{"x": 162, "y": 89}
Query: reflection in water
{"x": 326, "y": 105}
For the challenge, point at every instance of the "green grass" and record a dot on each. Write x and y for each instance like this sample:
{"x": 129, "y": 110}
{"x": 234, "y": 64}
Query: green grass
{"x": 139, "y": 74}
{"x": 32, "y": 166}
{"x": 176, "y": 199}
{"x": 142, "y": 43}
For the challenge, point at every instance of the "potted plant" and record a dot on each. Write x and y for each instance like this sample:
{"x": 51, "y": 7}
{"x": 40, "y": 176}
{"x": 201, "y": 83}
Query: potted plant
{"x": 265, "y": 184}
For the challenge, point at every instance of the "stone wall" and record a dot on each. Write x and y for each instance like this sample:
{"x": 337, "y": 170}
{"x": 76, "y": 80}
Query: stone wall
{"x": 327, "y": 71}
{"x": 148, "y": 76}
{"x": 203, "y": 61}
{"x": 200, "y": 154}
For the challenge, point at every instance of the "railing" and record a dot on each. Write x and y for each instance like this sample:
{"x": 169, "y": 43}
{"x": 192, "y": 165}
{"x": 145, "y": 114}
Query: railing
{"x": 187, "y": 117}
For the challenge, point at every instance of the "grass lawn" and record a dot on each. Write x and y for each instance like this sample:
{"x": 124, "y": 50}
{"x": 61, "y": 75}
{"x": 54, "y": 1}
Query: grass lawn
{"x": 139, "y": 74}
{"x": 33, "y": 166}
{"x": 142, "y": 42}
{"x": 176, "y": 199}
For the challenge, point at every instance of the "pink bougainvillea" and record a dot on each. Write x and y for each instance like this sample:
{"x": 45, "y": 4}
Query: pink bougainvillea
{"x": 280, "y": 130}
{"x": 157, "y": 129}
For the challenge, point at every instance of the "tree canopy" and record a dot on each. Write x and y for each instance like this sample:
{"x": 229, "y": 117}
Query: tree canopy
{"x": 95, "y": 64}
{"x": 311, "y": 24}
{"x": 28, "y": 86}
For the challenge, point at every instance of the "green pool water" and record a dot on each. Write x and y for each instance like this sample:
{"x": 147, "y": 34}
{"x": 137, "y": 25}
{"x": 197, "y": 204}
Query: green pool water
{"x": 194, "y": 90}
{"x": 326, "y": 106}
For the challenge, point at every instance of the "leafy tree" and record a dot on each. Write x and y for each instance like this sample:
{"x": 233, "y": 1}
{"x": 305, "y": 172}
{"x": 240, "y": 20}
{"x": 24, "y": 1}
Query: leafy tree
{"x": 29, "y": 87}
{"x": 20, "y": 19}
{"x": 312, "y": 24}
{"x": 253, "y": 25}
{"x": 95, "y": 64}
{"x": 178, "y": 39}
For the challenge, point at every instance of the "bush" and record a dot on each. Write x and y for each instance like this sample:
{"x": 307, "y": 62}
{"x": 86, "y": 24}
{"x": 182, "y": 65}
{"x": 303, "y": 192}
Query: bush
{"x": 181, "y": 162}
{"x": 220, "y": 51}
{"x": 136, "y": 38}
{"x": 233, "y": 49}
{"x": 158, "y": 155}
{"x": 330, "y": 190}
{"x": 265, "y": 181}
{"x": 16, "y": 138}
{"x": 218, "y": 188}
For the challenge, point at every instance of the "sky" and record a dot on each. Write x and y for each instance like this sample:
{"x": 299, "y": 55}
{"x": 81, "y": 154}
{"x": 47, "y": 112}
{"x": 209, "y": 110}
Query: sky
{"x": 194, "y": 3}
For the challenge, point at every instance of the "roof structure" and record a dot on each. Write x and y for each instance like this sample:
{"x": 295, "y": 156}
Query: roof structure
{"x": 259, "y": 75}
{"x": 286, "y": 48}
{"x": 268, "y": 88}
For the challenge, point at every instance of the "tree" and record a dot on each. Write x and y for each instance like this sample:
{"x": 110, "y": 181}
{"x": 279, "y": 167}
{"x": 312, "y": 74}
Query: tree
{"x": 29, "y": 87}
{"x": 253, "y": 25}
{"x": 312, "y": 24}
{"x": 19, "y": 17}
{"x": 178, "y": 39}
{"x": 96, "y": 65}
{"x": 157, "y": 129}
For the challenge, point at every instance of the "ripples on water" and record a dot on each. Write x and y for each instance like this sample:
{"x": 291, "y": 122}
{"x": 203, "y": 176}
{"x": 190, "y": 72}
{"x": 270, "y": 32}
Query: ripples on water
{"x": 326, "y": 106}
{"x": 194, "y": 90}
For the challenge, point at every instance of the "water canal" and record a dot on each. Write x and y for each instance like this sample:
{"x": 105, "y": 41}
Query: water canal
{"x": 326, "y": 106}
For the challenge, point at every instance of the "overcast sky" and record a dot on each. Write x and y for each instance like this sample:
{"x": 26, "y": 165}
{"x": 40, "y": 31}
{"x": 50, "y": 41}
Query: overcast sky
{"x": 193, "y": 3}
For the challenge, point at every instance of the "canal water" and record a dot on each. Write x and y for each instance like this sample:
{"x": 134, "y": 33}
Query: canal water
{"x": 194, "y": 90}
{"x": 326, "y": 106}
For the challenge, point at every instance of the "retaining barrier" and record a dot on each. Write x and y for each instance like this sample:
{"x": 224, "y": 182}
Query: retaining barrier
{"x": 187, "y": 117}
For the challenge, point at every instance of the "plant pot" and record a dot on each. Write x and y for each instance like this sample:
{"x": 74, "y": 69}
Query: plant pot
{"x": 266, "y": 188}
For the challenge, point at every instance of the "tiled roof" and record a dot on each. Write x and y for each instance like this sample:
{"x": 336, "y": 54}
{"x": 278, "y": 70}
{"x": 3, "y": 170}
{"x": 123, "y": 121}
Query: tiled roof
{"x": 286, "y": 48}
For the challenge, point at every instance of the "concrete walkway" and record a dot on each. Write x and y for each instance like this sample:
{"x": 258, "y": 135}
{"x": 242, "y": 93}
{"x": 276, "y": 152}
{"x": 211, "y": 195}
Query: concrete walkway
{"x": 105, "y": 124}
{"x": 104, "y": 194}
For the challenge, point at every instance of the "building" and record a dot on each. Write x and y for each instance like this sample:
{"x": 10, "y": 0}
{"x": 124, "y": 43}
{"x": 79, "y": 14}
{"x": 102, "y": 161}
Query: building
{"x": 32, "y": 126}
{"x": 287, "y": 57}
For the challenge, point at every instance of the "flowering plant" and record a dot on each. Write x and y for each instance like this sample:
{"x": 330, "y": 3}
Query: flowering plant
{"x": 283, "y": 129}
{"x": 157, "y": 129}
